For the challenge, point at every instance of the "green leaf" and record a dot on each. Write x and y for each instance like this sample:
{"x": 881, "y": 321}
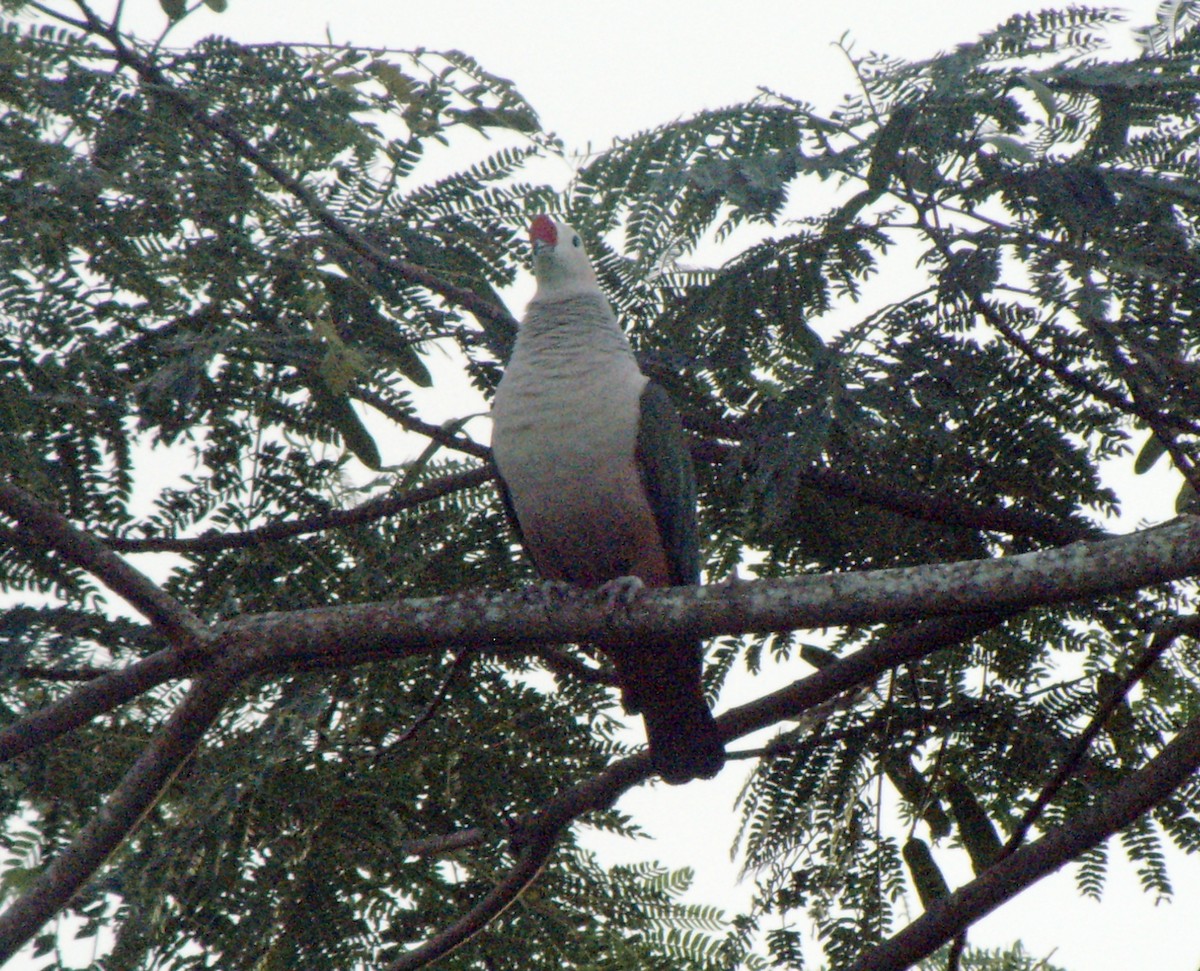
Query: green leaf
{"x": 174, "y": 9}
{"x": 1149, "y": 454}
{"x": 339, "y": 412}
{"x": 1042, "y": 92}
{"x": 1010, "y": 147}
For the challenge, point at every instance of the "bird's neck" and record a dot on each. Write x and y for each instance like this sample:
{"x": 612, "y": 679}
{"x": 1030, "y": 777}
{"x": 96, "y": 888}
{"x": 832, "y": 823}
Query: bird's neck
{"x": 578, "y": 326}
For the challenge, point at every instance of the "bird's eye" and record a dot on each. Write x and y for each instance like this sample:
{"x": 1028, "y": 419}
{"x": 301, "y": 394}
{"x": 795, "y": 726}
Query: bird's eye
{"x": 575, "y": 241}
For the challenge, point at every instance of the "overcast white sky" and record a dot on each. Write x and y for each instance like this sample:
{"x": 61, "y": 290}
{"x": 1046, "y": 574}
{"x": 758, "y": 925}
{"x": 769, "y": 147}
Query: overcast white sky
{"x": 598, "y": 70}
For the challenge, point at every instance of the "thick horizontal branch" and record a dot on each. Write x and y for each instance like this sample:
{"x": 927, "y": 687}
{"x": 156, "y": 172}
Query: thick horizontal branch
{"x": 341, "y": 636}
{"x": 553, "y": 614}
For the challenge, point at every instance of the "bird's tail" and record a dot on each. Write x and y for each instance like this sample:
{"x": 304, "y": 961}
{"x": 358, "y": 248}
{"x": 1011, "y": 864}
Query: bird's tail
{"x": 662, "y": 681}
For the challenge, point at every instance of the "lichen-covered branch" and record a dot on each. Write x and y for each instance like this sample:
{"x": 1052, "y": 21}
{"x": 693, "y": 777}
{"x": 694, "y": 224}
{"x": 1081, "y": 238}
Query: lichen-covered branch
{"x": 334, "y": 636}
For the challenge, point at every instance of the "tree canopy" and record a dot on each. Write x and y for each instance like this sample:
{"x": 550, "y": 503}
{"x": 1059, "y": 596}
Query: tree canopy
{"x": 274, "y": 691}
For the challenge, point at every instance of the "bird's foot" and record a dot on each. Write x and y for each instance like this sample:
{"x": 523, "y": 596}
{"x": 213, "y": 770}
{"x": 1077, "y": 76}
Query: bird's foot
{"x": 733, "y": 580}
{"x": 621, "y": 592}
{"x": 548, "y": 593}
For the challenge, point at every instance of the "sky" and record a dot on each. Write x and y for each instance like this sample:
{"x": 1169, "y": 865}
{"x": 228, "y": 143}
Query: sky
{"x": 596, "y": 71}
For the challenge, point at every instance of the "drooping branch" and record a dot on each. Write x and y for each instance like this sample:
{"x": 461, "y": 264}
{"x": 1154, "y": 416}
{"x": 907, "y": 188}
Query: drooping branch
{"x": 530, "y": 860}
{"x": 1138, "y": 793}
{"x": 51, "y": 529}
{"x": 901, "y": 646}
{"x": 536, "y": 832}
{"x": 121, "y": 812}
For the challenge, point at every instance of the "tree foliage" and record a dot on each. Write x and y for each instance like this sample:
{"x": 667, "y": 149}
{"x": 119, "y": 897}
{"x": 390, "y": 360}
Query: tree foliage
{"x": 951, "y": 305}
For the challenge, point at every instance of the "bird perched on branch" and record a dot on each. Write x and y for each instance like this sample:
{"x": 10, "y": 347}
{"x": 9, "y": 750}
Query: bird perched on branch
{"x": 597, "y": 475}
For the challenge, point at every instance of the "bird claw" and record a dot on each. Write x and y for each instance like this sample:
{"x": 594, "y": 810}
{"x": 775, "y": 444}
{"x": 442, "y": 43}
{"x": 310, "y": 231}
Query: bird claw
{"x": 546, "y": 593}
{"x": 621, "y": 592}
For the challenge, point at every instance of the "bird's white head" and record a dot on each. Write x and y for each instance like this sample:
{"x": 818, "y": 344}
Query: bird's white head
{"x": 560, "y": 263}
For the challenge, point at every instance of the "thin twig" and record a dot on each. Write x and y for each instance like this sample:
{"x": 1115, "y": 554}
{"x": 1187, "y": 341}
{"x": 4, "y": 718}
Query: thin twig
{"x": 150, "y": 72}
{"x": 439, "y": 696}
{"x": 413, "y": 424}
{"x": 1159, "y": 643}
{"x": 369, "y": 511}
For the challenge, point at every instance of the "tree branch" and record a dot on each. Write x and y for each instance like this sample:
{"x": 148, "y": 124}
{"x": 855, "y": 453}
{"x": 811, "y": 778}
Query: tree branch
{"x": 97, "y": 696}
{"x": 897, "y": 647}
{"x": 906, "y": 502}
{"x": 121, "y": 812}
{"x": 365, "y": 632}
{"x": 944, "y": 509}
{"x": 1159, "y": 643}
{"x": 149, "y": 71}
{"x": 537, "y": 832}
{"x": 1138, "y": 793}
{"x": 413, "y": 424}
{"x": 356, "y": 634}
{"x": 947, "y": 510}
{"x": 53, "y": 530}
{"x": 38, "y": 672}
{"x": 530, "y": 860}
{"x": 366, "y": 512}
